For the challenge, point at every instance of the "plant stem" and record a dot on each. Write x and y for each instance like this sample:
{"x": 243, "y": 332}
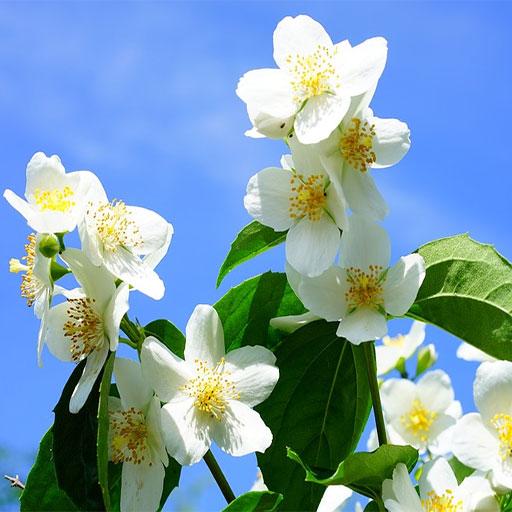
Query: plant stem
{"x": 132, "y": 331}
{"x": 217, "y": 473}
{"x": 371, "y": 368}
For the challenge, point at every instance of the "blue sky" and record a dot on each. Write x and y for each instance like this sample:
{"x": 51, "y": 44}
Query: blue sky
{"x": 143, "y": 95}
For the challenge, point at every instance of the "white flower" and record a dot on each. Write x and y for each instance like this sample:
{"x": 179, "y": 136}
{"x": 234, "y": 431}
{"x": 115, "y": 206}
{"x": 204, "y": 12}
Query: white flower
{"x": 55, "y": 201}
{"x": 301, "y": 199}
{"x": 265, "y": 125}
{"x": 291, "y": 323}
{"x": 135, "y": 439}
{"x": 422, "y": 414}
{"x": 210, "y": 395}
{"x": 360, "y": 291}
{"x": 334, "y": 499}
{"x": 439, "y": 491}
{"x": 87, "y": 324}
{"x": 315, "y": 79}
{"x": 129, "y": 241}
{"x": 397, "y": 347}
{"x": 470, "y": 353}
{"x": 484, "y": 440}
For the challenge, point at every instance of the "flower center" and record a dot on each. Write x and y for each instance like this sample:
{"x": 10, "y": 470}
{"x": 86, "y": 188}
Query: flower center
{"x": 56, "y": 200}
{"x": 419, "y": 420}
{"x": 128, "y": 436}
{"x": 114, "y": 226}
{"x": 313, "y": 74}
{"x": 356, "y": 144}
{"x": 31, "y": 285}
{"x": 84, "y": 327}
{"x": 308, "y": 197}
{"x": 443, "y": 503}
{"x": 396, "y": 341}
{"x": 503, "y": 424}
{"x": 365, "y": 288}
{"x": 211, "y": 388}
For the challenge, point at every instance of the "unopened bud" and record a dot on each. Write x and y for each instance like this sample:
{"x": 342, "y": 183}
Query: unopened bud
{"x": 48, "y": 245}
{"x": 427, "y": 357}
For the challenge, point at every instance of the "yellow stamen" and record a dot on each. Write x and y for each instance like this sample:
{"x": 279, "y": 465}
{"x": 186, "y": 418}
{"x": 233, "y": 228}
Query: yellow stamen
{"x": 419, "y": 420}
{"x": 15, "y": 266}
{"x": 503, "y": 424}
{"x": 308, "y": 197}
{"x": 365, "y": 288}
{"x": 31, "y": 285}
{"x": 443, "y": 503}
{"x": 56, "y": 200}
{"x": 356, "y": 145}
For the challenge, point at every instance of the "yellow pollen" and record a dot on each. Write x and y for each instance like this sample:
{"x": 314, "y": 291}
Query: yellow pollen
{"x": 128, "y": 436}
{"x": 56, "y": 200}
{"x": 308, "y": 197}
{"x": 365, "y": 288}
{"x": 84, "y": 327}
{"x": 443, "y": 503}
{"x": 313, "y": 74}
{"x": 356, "y": 145}
{"x": 114, "y": 226}
{"x": 31, "y": 285}
{"x": 397, "y": 341}
{"x": 211, "y": 388}
{"x": 503, "y": 424}
{"x": 419, "y": 420}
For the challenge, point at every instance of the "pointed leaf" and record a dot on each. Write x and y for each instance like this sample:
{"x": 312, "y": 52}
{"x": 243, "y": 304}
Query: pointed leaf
{"x": 168, "y": 334}
{"x": 255, "y": 501}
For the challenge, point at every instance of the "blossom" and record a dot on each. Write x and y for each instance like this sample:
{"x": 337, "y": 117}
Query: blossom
{"x": 470, "y": 353}
{"x": 54, "y": 200}
{"x": 439, "y": 490}
{"x": 301, "y": 199}
{"x": 315, "y": 78}
{"x": 210, "y": 395}
{"x": 87, "y": 324}
{"x": 421, "y": 414}
{"x": 483, "y": 440}
{"x": 335, "y": 498}
{"x": 398, "y": 347}
{"x": 135, "y": 439}
{"x": 128, "y": 240}
{"x": 265, "y": 125}
{"x": 360, "y": 291}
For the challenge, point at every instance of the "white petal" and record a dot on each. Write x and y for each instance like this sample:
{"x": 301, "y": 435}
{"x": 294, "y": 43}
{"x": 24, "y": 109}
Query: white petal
{"x": 364, "y": 243}
{"x": 337, "y": 204}
{"x": 267, "y": 198}
{"x": 291, "y": 323}
{"x": 404, "y": 491}
{"x": 205, "y": 336}
{"x": 391, "y": 142}
{"x": 154, "y": 258}
{"x": 478, "y": 495}
{"x": 153, "y": 229}
{"x": 437, "y": 477}
{"x": 266, "y": 125}
{"x": 58, "y": 344}
{"x": 114, "y": 313}
{"x": 397, "y": 397}
{"x": 187, "y": 433}
{"x": 41, "y": 335}
{"x": 324, "y": 295}
{"x": 298, "y": 36}
{"x": 133, "y": 388}
{"x": 402, "y": 284}
{"x": 141, "y": 487}
{"x": 414, "y": 339}
{"x": 473, "y": 444}
{"x": 241, "y": 431}
{"x": 334, "y": 497}
{"x": 253, "y": 372}
{"x": 155, "y": 435}
{"x": 440, "y": 435}
{"x": 311, "y": 245}
{"x": 362, "y": 325}
{"x": 319, "y": 117}
{"x": 44, "y": 173}
{"x": 30, "y": 214}
{"x": 435, "y": 391}
{"x": 387, "y": 357}
{"x": 163, "y": 371}
{"x": 93, "y": 366}
{"x": 493, "y": 389}
{"x": 362, "y": 195}
{"x": 470, "y": 353}
{"x": 91, "y": 244}
{"x": 268, "y": 91}
{"x": 362, "y": 65}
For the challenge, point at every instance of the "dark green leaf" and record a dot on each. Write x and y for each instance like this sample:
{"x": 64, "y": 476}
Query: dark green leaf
{"x": 255, "y": 501}
{"x": 364, "y": 472}
{"x": 468, "y": 292}
{"x": 74, "y": 446}
{"x": 319, "y": 406}
{"x": 41, "y": 492}
{"x": 103, "y": 426}
{"x": 254, "y": 239}
{"x": 372, "y": 506}
{"x": 168, "y": 334}
{"x": 460, "y": 470}
{"x": 247, "y": 309}
{"x": 171, "y": 480}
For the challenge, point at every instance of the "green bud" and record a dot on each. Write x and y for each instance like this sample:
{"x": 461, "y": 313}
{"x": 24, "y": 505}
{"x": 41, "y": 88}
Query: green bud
{"x": 49, "y": 245}
{"x": 427, "y": 357}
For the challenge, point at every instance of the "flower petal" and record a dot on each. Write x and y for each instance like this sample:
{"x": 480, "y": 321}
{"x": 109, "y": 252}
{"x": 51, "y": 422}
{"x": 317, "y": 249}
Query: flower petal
{"x": 155, "y": 436}
{"x": 58, "y": 344}
{"x": 470, "y": 353}
{"x": 44, "y": 173}
{"x": 205, "y": 336}
{"x": 364, "y": 324}
{"x": 397, "y": 396}
{"x": 414, "y": 338}
{"x": 291, "y": 323}
{"x": 404, "y": 491}
{"x": 437, "y": 477}
{"x": 387, "y": 357}
{"x": 493, "y": 389}
{"x": 391, "y": 141}
{"x": 478, "y": 495}
{"x": 402, "y": 284}
{"x": 141, "y": 486}
{"x": 435, "y": 391}
{"x": 265, "y": 125}
{"x": 133, "y": 388}
{"x": 153, "y": 229}
{"x": 334, "y": 497}
{"x": 114, "y": 313}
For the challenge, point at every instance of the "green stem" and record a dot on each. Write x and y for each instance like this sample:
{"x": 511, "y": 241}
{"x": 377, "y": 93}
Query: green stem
{"x": 135, "y": 336}
{"x": 217, "y": 473}
{"x": 126, "y": 341}
{"x": 371, "y": 368}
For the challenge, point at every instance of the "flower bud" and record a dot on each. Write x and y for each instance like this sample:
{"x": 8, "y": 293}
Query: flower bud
{"x": 49, "y": 245}
{"x": 427, "y": 357}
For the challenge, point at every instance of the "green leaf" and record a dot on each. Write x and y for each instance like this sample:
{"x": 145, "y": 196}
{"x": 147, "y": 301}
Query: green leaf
{"x": 74, "y": 446}
{"x": 254, "y": 239}
{"x": 41, "y": 491}
{"x": 319, "y": 406}
{"x": 255, "y": 501}
{"x": 460, "y": 470}
{"x": 103, "y": 427}
{"x": 247, "y": 309}
{"x": 364, "y": 472}
{"x": 168, "y": 334}
{"x": 467, "y": 291}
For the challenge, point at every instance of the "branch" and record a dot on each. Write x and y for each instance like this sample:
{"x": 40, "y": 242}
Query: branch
{"x": 15, "y": 481}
